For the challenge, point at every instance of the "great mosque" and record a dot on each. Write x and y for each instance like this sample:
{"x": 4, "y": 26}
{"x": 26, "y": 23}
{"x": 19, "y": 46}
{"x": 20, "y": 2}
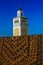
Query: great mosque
{"x": 21, "y": 48}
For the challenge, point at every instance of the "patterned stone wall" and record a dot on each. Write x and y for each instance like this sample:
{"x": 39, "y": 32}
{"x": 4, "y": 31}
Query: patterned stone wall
{"x": 22, "y": 50}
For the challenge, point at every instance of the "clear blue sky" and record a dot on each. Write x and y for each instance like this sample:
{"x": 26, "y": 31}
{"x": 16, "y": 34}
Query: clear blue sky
{"x": 33, "y": 9}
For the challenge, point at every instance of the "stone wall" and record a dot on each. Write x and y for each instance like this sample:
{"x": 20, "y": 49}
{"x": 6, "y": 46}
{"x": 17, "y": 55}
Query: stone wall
{"x": 22, "y": 50}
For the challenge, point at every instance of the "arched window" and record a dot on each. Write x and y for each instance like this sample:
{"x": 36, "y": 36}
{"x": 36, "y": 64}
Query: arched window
{"x": 16, "y": 21}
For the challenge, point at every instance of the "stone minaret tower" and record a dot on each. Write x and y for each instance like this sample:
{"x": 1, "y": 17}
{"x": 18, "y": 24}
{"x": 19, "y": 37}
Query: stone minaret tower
{"x": 20, "y": 24}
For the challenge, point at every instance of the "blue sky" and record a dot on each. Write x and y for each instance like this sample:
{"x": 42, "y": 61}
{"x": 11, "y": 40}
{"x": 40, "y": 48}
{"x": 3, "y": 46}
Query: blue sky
{"x": 33, "y": 9}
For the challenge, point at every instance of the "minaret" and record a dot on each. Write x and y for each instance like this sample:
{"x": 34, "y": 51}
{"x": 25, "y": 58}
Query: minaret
{"x": 20, "y": 24}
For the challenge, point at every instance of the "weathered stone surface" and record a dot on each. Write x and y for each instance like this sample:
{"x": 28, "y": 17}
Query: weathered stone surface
{"x": 22, "y": 50}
